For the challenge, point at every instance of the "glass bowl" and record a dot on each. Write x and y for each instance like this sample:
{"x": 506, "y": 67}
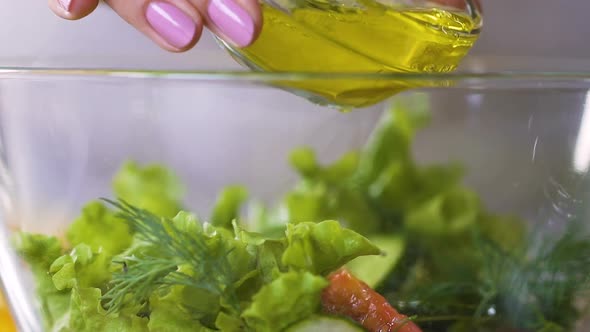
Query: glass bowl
{"x": 521, "y": 139}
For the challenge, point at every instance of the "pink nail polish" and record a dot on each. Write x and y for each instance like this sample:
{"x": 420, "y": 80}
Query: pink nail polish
{"x": 232, "y": 20}
{"x": 65, "y": 4}
{"x": 171, "y": 23}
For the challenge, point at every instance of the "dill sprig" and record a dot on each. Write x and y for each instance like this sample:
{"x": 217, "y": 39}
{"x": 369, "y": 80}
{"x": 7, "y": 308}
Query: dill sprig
{"x": 532, "y": 288}
{"x": 141, "y": 275}
{"x": 539, "y": 287}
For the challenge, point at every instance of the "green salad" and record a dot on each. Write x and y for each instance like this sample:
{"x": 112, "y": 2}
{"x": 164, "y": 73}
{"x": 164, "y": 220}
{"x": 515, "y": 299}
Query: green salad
{"x": 414, "y": 236}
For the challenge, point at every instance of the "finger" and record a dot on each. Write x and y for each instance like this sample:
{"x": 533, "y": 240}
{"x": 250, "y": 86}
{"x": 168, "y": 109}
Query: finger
{"x": 459, "y": 4}
{"x": 478, "y": 5}
{"x": 238, "y": 22}
{"x": 72, "y": 9}
{"x": 174, "y": 25}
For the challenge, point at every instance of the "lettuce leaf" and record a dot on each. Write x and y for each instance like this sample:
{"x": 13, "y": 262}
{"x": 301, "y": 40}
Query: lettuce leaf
{"x": 227, "y": 207}
{"x": 452, "y": 212}
{"x": 82, "y": 267}
{"x": 153, "y": 188}
{"x": 327, "y": 193}
{"x": 98, "y": 227}
{"x": 167, "y": 312}
{"x": 39, "y": 251}
{"x": 86, "y": 314}
{"x": 290, "y": 298}
{"x": 269, "y": 262}
{"x": 323, "y": 247}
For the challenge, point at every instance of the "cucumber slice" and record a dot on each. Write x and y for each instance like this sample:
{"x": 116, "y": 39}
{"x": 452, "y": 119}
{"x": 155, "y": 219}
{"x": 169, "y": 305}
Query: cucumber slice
{"x": 325, "y": 324}
{"x": 374, "y": 269}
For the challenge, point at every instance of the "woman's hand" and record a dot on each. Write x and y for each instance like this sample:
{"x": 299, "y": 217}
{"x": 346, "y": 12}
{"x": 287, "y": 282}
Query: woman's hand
{"x": 176, "y": 25}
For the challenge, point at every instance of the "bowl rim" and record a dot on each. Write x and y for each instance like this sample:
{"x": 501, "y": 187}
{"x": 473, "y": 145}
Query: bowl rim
{"x": 509, "y": 79}
{"x": 255, "y": 76}
{"x": 475, "y": 69}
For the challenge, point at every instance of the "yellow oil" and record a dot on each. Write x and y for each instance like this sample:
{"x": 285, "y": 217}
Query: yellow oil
{"x": 371, "y": 39}
{"x": 6, "y": 322}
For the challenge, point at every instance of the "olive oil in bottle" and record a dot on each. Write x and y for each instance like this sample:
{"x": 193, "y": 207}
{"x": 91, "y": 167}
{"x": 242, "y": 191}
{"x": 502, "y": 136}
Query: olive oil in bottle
{"x": 372, "y": 38}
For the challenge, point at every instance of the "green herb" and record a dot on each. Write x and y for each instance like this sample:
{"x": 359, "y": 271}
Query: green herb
{"x": 141, "y": 276}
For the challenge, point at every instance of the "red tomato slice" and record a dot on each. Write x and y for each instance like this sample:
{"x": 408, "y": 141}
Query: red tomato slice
{"x": 349, "y": 296}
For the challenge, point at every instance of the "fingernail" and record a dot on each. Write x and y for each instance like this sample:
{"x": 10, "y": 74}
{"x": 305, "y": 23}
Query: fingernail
{"x": 233, "y": 21}
{"x": 65, "y": 4}
{"x": 171, "y": 23}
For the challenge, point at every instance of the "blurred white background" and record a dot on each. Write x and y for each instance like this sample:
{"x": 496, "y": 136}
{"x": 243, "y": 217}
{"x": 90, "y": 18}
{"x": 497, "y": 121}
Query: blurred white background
{"x": 32, "y": 35}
